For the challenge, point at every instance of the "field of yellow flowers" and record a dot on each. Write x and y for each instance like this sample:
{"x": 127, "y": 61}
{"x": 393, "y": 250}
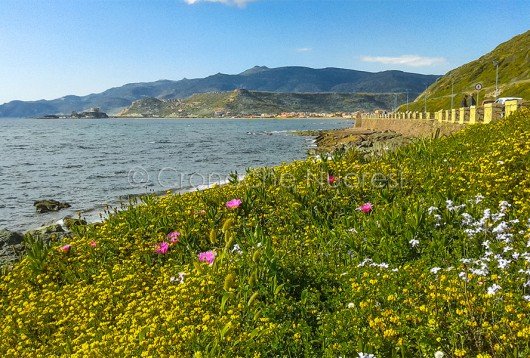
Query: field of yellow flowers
{"x": 420, "y": 252}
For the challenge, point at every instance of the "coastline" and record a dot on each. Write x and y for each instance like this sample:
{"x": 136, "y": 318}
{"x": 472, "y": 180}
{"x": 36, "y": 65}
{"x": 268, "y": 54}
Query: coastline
{"x": 377, "y": 135}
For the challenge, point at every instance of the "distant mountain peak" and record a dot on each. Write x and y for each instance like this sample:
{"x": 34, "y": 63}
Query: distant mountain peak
{"x": 253, "y": 70}
{"x": 290, "y": 79}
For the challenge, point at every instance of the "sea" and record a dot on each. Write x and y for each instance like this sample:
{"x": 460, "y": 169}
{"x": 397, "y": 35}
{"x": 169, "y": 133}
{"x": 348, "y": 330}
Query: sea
{"x": 95, "y": 163}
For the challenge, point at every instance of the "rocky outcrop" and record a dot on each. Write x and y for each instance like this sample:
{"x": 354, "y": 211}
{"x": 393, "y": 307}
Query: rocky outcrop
{"x": 69, "y": 222}
{"x": 44, "y": 206}
{"x": 49, "y": 233}
{"x": 11, "y": 246}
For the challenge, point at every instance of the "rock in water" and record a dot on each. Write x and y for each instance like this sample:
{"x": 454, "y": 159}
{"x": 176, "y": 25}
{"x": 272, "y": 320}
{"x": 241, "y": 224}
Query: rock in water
{"x": 11, "y": 246}
{"x": 44, "y": 206}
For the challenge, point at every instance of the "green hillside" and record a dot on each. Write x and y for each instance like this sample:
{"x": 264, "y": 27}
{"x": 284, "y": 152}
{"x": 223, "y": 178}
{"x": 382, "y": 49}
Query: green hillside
{"x": 513, "y": 59}
{"x": 241, "y": 103}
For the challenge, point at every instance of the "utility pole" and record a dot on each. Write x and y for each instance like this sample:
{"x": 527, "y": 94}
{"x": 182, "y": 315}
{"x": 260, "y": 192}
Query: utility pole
{"x": 496, "y": 64}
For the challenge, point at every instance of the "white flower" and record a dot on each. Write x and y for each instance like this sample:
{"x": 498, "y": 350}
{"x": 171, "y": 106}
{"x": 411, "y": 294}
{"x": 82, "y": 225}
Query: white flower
{"x": 504, "y": 205}
{"x": 435, "y": 270}
{"x": 237, "y": 249}
{"x": 351, "y": 305}
{"x": 505, "y": 237}
{"x": 432, "y": 209}
{"x": 487, "y": 254}
{"x": 181, "y": 277}
{"x": 463, "y": 276}
{"x": 493, "y": 289}
{"x": 499, "y": 229}
{"x": 478, "y": 198}
{"x": 526, "y": 298}
{"x": 487, "y": 214}
{"x": 479, "y": 272}
{"x": 353, "y": 230}
{"x": 497, "y": 216}
{"x": 365, "y": 355}
{"x": 414, "y": 242}
{"x": 364, "y": 262}
{"x": 381, "y": 265}
{"x": 471, "y": 232}
{"x": 439, "y": 354}
{"x": 503, "y": 263}
{"x": 468, "y": 219}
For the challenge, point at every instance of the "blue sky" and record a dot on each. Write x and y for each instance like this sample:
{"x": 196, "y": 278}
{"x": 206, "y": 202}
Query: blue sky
{"x": 51, "y": 48}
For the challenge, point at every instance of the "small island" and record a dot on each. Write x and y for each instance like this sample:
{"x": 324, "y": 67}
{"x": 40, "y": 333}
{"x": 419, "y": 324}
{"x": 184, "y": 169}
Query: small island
{"x": 92, "y": 113}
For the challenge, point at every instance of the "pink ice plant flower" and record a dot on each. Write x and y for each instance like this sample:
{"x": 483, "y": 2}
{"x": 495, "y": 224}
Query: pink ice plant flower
{"x": 173, "y": 237}
{"x": 331, "y": 179}
{"x": 207, "y": 256}
{"x": 162, "y": 248}
{"x": 233, "y": 204}
{"x": 93, "y": 243}
{"x": 366, "y": 208}
{"x": 66, "y": 248}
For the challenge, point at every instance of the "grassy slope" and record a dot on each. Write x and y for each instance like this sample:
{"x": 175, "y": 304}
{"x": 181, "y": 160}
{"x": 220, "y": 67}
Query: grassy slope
{"x": 514, "y": 76}
{"x": 241, "y": 103}
{"x": 301, "y": 283}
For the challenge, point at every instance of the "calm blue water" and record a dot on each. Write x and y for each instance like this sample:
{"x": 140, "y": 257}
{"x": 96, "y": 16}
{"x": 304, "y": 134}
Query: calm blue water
{"x": 91, "y": 163}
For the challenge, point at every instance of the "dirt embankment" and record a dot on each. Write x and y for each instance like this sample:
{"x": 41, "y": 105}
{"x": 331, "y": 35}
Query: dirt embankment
{"x": 372, "y": 135}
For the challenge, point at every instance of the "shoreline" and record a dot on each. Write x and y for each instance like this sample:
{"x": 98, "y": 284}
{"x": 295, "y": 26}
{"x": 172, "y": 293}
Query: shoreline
{"x": 367, "y": 140}
{"x": 374, "y": 141}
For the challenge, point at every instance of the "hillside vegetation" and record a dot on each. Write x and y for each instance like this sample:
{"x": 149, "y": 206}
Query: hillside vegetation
{"x": 421, "y": 250}
{"x": 243, "y": 103}
{"x": 513, "y": 58}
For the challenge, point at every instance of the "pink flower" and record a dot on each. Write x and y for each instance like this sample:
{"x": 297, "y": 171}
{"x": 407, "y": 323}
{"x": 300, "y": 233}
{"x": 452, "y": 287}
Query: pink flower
{"x": 366, "y": 207}
{"x": 233, "y": 204}
{"x": 162, "y": 248}
{"x": 93, "y": 243}
{"x": 173, "y": 237}
{"x": 331, "y": 179}
{"x": 65, "y": 248}
{"x": 208, "y": 256}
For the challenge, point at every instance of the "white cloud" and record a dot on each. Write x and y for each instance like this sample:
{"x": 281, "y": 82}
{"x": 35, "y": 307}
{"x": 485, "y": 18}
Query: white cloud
{"x": 406, "y": 60}
{"x": 239, "y": 3}
{"x": 304, "y": 49}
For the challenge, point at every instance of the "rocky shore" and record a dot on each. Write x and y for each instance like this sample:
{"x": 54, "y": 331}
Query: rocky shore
{"x": 379, "y": 135}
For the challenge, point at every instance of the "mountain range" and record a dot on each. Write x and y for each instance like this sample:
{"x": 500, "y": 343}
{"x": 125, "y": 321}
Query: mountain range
{"x": 259, "y": 78}
{"x": 510, "y": 58}
{"x": 244, "y": 103}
